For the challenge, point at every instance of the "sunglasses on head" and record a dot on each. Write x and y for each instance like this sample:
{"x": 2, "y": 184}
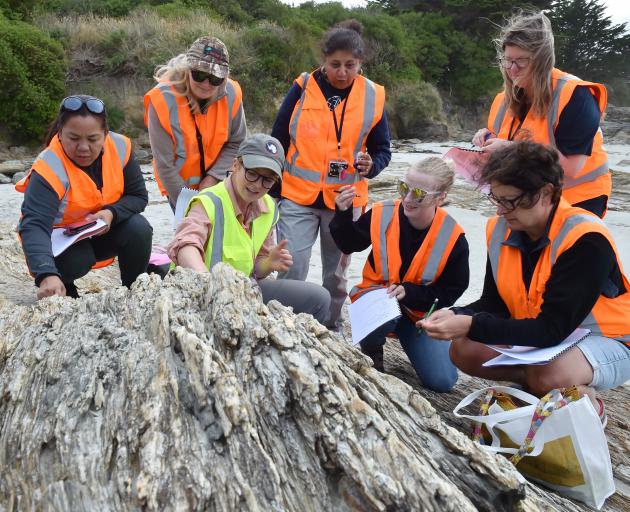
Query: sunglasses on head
{"x": 417, "y": 193}
{"x": 74, "y": 103}
{"x": 200, "y": 76}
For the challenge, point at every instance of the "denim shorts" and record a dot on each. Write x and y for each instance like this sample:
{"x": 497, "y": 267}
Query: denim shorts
{"x": 610, "y": 360}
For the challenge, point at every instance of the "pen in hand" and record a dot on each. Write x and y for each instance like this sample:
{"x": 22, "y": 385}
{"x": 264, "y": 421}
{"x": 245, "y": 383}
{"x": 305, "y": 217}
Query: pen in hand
{"x": 428, "y": 313}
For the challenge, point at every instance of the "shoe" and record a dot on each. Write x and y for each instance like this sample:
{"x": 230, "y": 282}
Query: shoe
{"x": 71, "y": 290}
{"x": 603, "y": 417}
{"x": 377, "y": 358}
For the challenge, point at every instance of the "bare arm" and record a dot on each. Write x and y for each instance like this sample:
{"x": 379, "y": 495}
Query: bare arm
{"x": 190, "y": 257}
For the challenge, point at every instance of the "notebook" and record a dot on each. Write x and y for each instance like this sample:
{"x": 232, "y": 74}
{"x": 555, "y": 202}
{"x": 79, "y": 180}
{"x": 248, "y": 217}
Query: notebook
{"x": 61, "y": 242}
{"x": 370, "y": 311}
{"x": 533, "y": 355}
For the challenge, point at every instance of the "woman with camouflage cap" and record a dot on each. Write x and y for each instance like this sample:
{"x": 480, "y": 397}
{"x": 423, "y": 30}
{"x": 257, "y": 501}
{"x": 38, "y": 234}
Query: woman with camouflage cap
{"x": 195, "y": 118}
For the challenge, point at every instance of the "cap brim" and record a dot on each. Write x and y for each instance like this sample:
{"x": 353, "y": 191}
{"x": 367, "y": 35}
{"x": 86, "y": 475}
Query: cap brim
{"x": 215, "y": 69}
{"x": 262, "y": 162}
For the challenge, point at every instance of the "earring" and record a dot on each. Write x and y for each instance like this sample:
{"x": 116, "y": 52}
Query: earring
{"x": 323, "y": 70}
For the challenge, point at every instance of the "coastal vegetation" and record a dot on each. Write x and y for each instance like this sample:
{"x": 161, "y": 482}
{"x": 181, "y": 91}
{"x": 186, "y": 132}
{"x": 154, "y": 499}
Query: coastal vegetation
{"x": 426, "y": 53}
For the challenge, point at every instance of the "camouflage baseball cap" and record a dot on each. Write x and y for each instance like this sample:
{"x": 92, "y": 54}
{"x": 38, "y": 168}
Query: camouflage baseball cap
{"x": 209, "y": 54}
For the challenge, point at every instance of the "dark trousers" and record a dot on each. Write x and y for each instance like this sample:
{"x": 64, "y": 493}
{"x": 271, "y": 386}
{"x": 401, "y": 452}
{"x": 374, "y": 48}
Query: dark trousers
{"x": 130, "y": 240}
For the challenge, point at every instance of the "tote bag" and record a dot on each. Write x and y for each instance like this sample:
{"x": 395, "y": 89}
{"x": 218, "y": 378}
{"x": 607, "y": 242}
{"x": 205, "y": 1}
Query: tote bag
{"x": 557, "y": 441}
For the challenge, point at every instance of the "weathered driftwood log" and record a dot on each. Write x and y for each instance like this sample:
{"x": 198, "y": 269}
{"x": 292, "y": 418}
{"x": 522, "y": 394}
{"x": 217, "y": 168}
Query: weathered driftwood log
{"x": 192, "y": 395}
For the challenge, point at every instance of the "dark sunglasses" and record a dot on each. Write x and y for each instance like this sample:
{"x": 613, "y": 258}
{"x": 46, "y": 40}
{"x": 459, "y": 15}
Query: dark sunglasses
{"x": 74, "y": 103}
{"x": 417, "y": 193}
{"x": 200, "y": 76}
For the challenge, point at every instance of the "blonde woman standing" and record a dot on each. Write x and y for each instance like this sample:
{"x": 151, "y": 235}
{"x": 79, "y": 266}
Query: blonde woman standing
{"x": 542, "y": 104}
{"x": 419, "y": 254}
{"x": 195, "y": 119}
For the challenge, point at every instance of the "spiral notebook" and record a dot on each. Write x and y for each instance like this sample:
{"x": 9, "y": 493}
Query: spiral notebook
{"x": 533, "y": 355}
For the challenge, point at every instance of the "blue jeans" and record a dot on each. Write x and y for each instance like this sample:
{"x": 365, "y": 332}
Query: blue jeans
{"x": 428, "y": 356}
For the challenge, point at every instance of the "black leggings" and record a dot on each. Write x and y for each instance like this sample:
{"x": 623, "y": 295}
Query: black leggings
{"x": 130, "y": 240}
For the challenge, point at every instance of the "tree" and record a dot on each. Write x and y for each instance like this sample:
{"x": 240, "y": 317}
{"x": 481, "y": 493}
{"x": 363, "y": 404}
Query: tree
{"x": 587, "y": 42}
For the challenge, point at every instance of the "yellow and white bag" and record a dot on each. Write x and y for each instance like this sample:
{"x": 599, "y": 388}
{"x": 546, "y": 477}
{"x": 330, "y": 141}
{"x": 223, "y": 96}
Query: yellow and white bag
{"x": 557, "y": 441}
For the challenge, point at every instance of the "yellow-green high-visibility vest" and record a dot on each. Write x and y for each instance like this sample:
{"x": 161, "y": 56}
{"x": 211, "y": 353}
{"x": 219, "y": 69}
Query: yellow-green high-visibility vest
{"x": 228, "y": 241}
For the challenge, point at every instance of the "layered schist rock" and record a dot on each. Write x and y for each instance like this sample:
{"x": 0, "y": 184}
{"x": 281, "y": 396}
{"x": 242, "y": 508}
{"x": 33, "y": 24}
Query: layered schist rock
{"x": 190, "y": 394}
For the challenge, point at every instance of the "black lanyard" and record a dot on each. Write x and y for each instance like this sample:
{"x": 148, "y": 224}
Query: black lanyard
{"x": 339, "y": 127}
{"x": 202, "y": 156}
{"x": 518, "y": 128}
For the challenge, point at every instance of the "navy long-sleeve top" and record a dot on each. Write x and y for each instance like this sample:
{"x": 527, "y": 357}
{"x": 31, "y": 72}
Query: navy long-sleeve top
{"x": 377, "y": 143}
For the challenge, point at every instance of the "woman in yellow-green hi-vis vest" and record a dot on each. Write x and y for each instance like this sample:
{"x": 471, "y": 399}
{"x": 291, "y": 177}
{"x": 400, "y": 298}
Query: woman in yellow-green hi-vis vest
{"x": 233, "y": 222}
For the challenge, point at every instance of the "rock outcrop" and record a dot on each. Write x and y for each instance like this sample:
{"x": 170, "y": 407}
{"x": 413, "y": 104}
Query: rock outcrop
{"x": 190, "y": 394}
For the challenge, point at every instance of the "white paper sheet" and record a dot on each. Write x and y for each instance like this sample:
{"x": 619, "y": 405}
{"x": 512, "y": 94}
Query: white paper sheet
{"x": 370, "y": 311}
{"x": 533, "y": 355}
{"x": 61, "y": 242}
{"x": 184, "y": 197}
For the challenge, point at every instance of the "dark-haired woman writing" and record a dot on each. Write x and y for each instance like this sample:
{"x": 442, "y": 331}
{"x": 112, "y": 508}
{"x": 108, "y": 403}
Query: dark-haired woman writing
{"x": 85, "y": 172}
{"x": 333, "y": 127}
{"x": 551, "y": 269}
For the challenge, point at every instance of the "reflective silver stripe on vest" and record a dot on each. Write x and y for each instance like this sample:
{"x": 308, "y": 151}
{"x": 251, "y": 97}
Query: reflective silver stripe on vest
{"x": 498, "y": 120}
{"x": 121, "y": 147}
{"x": 294, "y": 124}
{"x": 230, "y": 91}
{"x": 218, "y": 229}
{"x": 276, "y": 215}
{"x": 386, "y": 219}
{"x": 496, "y": 241}
{"x": 369, "y": 106}
{"x": 590, "y": 323}
{"x": 568, "y": 225}
{"x": 430, "y": 271}
{"x": 589, "y": 176}
{"x": 552, "y": 113}
{"x": 176, "y": 129}
{"x": 305, "y": 174}
{"x": 55, "y": 163}
{"x": 356, "y": 290}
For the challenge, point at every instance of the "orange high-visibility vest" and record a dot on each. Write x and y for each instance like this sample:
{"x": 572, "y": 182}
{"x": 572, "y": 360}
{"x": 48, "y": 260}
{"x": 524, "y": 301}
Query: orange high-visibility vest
{"x": 427, "y": 264}
{"x": 609, "y": 317}
{"x": 594, "y": 179}
{"x": 176, "y": 118}
{"x": 77, "y": 192}
{"x": 314, "y": 142}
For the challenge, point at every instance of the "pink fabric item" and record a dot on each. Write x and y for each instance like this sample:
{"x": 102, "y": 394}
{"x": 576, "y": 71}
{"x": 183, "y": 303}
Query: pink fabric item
{"x": 159, "y": 258}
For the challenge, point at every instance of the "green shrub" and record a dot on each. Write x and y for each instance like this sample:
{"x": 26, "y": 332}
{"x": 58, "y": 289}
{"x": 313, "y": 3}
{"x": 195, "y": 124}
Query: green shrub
{"x": 412, "y": 107}
{"x": 32, "y": 69}
{"x": 265, "y": 59}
